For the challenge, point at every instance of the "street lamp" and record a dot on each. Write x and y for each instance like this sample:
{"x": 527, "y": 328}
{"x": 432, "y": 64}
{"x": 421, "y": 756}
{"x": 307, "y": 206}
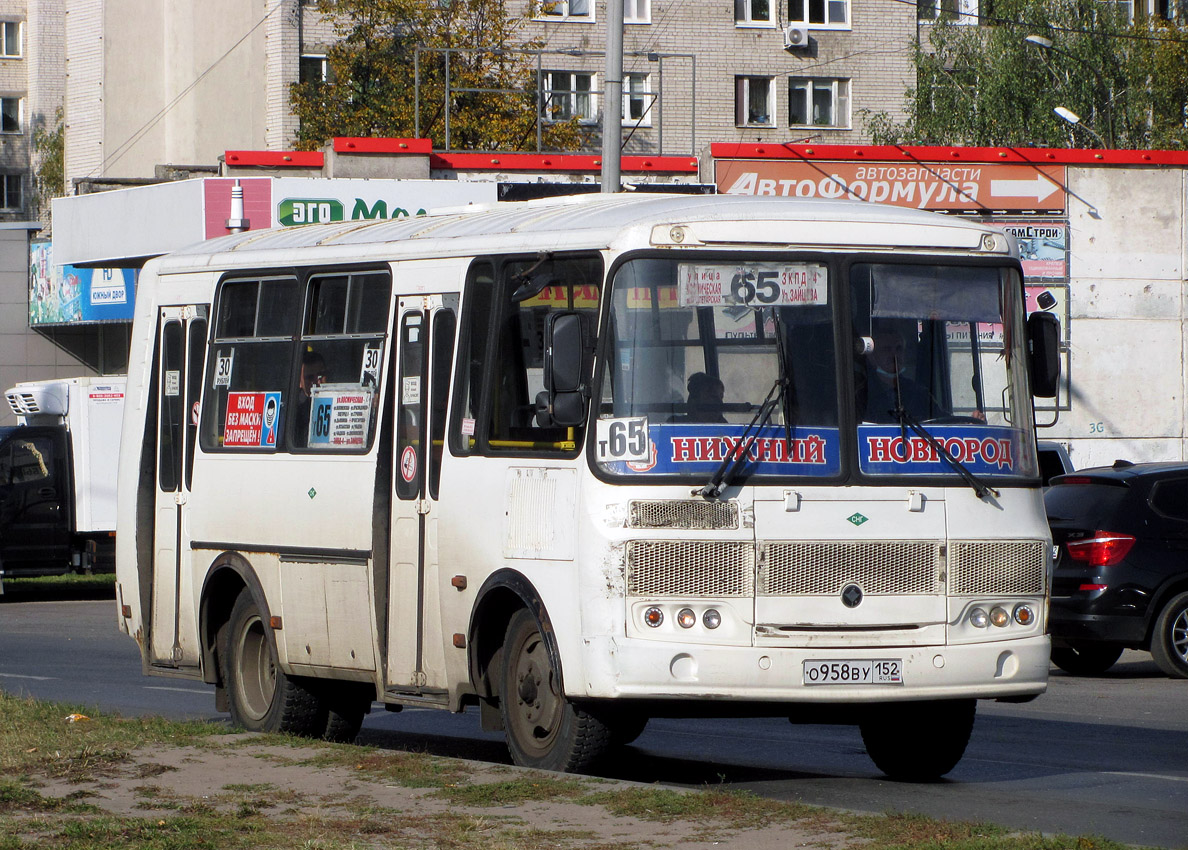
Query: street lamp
{"x": 1047, "y": 44}
{"x": 1074, "y": 119}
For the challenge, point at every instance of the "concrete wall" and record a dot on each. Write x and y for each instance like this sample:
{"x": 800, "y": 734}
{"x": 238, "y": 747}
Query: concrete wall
{"x": 1128, "y": 326}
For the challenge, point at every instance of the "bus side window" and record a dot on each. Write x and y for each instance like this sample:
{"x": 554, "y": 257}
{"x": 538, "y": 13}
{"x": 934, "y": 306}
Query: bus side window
{"x": 339, "y": 368}
{"x": 531, "y": 290}
{"x": 472, "y": 357}
{"x": 249, "y": 365}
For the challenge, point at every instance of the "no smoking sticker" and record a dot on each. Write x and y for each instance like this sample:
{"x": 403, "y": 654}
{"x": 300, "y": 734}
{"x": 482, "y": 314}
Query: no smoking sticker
{"x": 408, "y": 464}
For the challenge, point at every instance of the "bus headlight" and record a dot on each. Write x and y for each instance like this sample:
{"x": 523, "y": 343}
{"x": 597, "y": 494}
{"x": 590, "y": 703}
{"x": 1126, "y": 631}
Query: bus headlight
{"x": 711, "y": 619}
{"x": 686, "y": 619}
{"x": 999, "y": 616}
{"x": 978, "y": 618}
{"x": 653, "y": 617}
{"x": 1024, "y": 615}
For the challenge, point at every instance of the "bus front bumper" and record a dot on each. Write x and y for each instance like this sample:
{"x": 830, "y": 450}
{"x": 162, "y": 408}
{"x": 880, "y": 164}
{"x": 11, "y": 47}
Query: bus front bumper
{"x": 624, "y": 668}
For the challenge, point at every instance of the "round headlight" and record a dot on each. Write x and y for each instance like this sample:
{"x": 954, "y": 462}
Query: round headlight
{"x": 1024, "y": 616}
{"x": 999, "y": 616}
{"x": 653, "y": 616}
{"x": 978, "y": 618}
{"x": 686, "y": 619}
{"x": 711, "y": 619}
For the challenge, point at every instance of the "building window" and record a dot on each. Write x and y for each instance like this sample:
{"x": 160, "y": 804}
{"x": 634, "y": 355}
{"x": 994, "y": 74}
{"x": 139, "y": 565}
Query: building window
{"x": 638, "y": 99}
{"x": 820, "y": 13}
{"x": 957, "y": 11}
{"x": 10, "y": 115}
{"x": 754, "y": 13}
{"x": 637, "y": 11}
{"x": 10, "y": 34}
{"x": 814, "y": 102}
{"x": 752, "y": 101}
{"x": 567, "y": 95}
{"x": 12, "y": 192}
{"x": 1124, "y": 8}
{"x": 565, "y": 10}
{"x": 314, "y": 68}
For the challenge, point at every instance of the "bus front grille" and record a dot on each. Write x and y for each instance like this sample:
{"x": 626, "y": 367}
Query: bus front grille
{"x": 996, "y": 566}
{"x": 694, "y": 568}
{"x": 825, "y": 567}
{"x": 693, "y": 514}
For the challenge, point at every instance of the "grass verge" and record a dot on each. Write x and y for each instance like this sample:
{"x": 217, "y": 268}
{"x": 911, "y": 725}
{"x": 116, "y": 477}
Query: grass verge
{"x": 64, "y": 777}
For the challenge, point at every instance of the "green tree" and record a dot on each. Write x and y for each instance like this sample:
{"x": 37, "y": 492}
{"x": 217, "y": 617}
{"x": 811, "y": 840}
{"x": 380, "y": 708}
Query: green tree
{"x": 988, "y": 85}
{"x": 371, "y": 87}
{"x": 49, "y": 171}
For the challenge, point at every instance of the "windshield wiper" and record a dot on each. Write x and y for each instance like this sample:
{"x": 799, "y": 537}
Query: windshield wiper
{"x": 906, "y": 420}
{"x": 785, "y": 409}
{"x": 724, "y": 474}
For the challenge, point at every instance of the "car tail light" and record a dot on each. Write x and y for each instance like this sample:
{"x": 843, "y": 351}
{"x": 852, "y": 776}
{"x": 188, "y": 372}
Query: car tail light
{"x": 1103, "y": 549}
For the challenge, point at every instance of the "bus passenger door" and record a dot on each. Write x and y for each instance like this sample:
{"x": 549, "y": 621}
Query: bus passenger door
{"x": 181, "y": 350}
{"x": 426, "y": 327}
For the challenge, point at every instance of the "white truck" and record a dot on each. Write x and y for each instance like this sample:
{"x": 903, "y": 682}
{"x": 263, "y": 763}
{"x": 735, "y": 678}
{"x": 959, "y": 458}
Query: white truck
{"x": 58, "y": 476}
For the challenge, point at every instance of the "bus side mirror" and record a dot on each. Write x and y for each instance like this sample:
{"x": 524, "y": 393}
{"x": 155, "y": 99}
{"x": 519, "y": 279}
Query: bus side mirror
{"x": 564, "y": 350}
{"x": 1043, "y": 354}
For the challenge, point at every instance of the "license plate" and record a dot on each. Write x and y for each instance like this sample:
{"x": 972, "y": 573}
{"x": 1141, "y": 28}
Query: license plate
{"x": 887, "y": 671}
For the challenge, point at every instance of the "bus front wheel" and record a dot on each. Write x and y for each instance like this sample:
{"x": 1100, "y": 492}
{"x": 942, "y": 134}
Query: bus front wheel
{"x": 544, "y": 730}
{"x": 262, "y": 697}
{"x": 918, "y": 741}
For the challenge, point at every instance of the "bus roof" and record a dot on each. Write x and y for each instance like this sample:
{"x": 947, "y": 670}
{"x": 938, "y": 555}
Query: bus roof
{"x": 597, "y": 221}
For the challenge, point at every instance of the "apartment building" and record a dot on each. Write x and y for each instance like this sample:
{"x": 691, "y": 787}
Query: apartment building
{"x": 178, "y": 83}
{"x": 702, "y": 71}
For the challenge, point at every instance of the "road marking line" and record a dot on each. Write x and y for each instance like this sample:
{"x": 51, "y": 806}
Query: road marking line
{"x": 179, "y": 690}
{"x": 1146, "y": 775}
{"x": 21, "y": 676}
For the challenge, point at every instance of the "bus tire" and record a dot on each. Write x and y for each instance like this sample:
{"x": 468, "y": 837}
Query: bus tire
{"x": 261, "y": 697}
{"x": 625, "y": 727}
{"x": 544, "y": 730}
{"x": 345, "y": 706}
{"x": 918, "y": 741}
{"x": 1169, "y": 640}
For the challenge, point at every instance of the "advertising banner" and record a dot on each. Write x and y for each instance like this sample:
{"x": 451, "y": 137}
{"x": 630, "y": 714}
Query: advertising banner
{"x": 66, "y": 295}
{"x": 920, "y": 185}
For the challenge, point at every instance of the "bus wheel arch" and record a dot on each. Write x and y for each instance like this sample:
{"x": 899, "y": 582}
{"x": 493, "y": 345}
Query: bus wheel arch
{"x": 518, "y": 667}
{"x": 228, "y": 576}
{"x": 501, "y": 595}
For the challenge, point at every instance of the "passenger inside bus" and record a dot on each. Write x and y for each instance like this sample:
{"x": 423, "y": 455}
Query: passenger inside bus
{"x": 313, "y": 372}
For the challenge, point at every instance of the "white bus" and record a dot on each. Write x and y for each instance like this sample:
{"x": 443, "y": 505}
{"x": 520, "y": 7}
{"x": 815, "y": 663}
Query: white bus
{"x": 587, "y": 461}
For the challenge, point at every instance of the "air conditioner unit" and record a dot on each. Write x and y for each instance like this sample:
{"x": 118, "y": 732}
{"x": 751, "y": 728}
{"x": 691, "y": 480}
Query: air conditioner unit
{"x": 795, "y": 36}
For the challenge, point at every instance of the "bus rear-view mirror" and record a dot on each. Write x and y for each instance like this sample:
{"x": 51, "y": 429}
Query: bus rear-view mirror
{"x": 564, "y": 348}
{"x": 1043, "y": 352}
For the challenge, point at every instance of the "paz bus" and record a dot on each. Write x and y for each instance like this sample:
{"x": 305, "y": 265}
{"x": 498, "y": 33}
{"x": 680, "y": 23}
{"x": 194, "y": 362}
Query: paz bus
{"x": 583, "y": 462}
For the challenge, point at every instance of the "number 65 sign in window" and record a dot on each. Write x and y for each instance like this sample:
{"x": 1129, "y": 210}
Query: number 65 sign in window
{"x": 752, "y": 284}
{"x": 339, "y": 417}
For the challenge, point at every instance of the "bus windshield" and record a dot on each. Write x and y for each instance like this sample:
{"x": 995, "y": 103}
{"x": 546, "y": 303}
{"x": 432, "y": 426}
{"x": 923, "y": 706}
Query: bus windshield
{"x": 752, "y": 368}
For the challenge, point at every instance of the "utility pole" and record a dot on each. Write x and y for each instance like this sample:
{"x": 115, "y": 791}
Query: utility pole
{"x": 612, "y": 103}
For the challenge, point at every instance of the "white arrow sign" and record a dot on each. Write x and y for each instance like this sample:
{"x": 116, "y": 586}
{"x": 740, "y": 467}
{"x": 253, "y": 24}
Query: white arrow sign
{"x": 1040, "y": 188}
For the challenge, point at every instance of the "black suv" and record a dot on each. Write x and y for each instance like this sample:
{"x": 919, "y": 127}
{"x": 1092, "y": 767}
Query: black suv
{"x": 1121, "y": 575}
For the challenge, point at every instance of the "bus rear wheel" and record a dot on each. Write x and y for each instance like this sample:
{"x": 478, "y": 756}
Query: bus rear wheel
{"x": 544, "y": 729}
{"x": 262, "y": 697}
{"x": 918, "y": 741}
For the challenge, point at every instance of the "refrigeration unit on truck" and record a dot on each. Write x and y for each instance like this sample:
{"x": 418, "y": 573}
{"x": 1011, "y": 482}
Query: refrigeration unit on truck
{"x": 57, "y": 476}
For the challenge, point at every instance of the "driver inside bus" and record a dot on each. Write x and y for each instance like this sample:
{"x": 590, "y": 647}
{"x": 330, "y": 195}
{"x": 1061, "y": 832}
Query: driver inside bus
{"x": 706, "y": 393}
{"x": 884, "y": 384}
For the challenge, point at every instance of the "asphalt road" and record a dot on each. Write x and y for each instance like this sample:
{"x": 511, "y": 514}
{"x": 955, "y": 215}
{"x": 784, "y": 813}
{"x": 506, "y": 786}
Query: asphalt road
{"x": 1106, "y": 755}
